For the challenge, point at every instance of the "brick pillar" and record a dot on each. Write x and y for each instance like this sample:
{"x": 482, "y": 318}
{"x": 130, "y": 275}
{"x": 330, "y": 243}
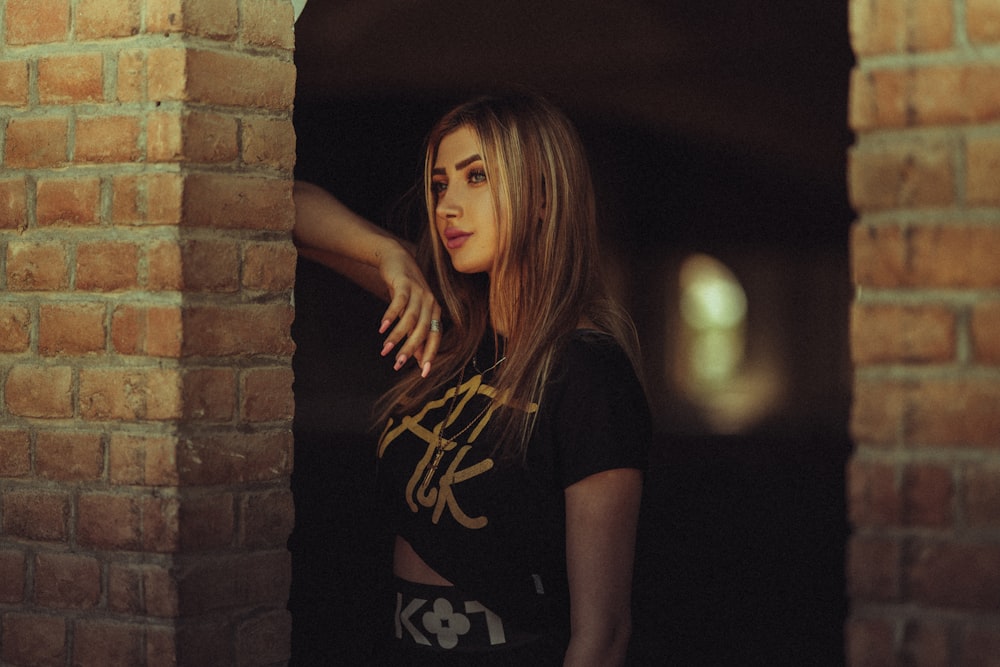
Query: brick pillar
{"x": 924, "y": 481}
{"x": 145, "y": 355}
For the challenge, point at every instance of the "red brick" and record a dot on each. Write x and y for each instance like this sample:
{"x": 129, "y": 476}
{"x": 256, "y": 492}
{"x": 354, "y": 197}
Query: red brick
{"x": 15, "y": 328}
{"x": 269, "y": 266}
{"x": 153, "y": 331}
{"x": 125, "y": 589}
{"x": 265, "y": 638}
{"x": 207, "y": 522}
{"x": 946, "y": 255}
{"x": 982, "y": 23}
{"x": 193, "y": 137}
{"x": 36, "y": 266}
{"x": 238, "y": 202}
{"x": 71, "y": 328}
{"x": 161, "y": 646}
{"x": 877, "y": 28}
{"x": 985, "y": 328}
{"x": 232, "y": 79}
{"x": 164, "y": 199}
{"x": 132, "y": 591}
{"x": 892, "y": 334}
{"x": 960, "y": 412}
{"x": 928, "y": 493}
{"x": 67, "y": 581}
{"x": 71, "y": 78}
{"x": 33, "y": 639}
{"x": 266, "y": 395}
{"x": 955, "y": 575}
{"x": 238, "y": 330}
{"x": 36, "y": 515}
{"x": 166, "y": 78}
{"x": 142, "y": 460}
{"x": 36, "y": 21}
{"x": 14, "y": 83}
{"x": 927, "y": 643}
{"x": 131, "y": 79}
{"x": 109, "y": 521}
{"x": 161, "y": 527}
{"x": 870, "y": 642}
{"x": 12, "y": 579}
{"x": 68, "y": 201}
{"x": 268, "y": 519}
{"x": 13, "y": 204}
{"x": 233, "y": 580}
{"x": 99, "y": 19}
{"x": 946, "y": 94}
{"x": 982, "y": 166}
{"x": 897, "y": 26}
{"x": 235, "y": 458}
{"x": 268, "y": 143}
{"x": 15, "y": 454}
{"x": 210, "y": 394}
{"x": 981, "y": 500}
{"x": 44, "y": 392}
{"x": 980, "y": 644}
{"x": 69, "y": 457}
{"x": 211, "y": 266}
{"x": 164, "y": 267}
{"x": 130, "y": 394}
{"x": 268, "y": 23}
{"x": 216, "y": 20}
{"x": 877, "y": 413}
{"x": 873, "y": 494}
{"x": 904, "y": 174}
{"x": 36, "y": 142}
{"x": 104, "y": 139}
{"x": 108, "y": 643}
{"x": 162, "y": 595}
{"x": 107, "y": 266}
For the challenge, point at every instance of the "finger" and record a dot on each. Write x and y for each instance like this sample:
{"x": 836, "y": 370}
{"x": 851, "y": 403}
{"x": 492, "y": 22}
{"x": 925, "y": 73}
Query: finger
{"x": 397, "y": 308}
{"x": 417, "y": 322}
{"x": 432, "y": 344}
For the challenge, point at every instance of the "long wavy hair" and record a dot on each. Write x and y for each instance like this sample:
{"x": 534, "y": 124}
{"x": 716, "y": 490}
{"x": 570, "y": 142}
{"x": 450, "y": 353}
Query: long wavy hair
{"x": 547, "y": 276}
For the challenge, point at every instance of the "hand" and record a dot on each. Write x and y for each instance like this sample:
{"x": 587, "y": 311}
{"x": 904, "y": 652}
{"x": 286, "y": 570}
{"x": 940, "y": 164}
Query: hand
{"x": 412, "y": 306}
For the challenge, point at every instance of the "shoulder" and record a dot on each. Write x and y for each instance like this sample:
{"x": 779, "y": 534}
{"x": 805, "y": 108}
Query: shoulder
{"x": 589, "y": 352}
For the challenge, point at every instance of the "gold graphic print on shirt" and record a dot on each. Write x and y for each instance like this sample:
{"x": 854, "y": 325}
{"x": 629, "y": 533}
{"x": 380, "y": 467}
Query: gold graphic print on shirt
{"x": 440, "y": 493}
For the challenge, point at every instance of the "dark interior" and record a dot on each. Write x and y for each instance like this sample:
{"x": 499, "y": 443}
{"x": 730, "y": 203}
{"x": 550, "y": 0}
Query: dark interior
{"x": 716, "y": 127}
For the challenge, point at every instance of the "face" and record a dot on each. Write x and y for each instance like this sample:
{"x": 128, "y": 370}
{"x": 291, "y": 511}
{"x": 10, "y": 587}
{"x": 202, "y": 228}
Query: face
{"x": 465, "y": 217}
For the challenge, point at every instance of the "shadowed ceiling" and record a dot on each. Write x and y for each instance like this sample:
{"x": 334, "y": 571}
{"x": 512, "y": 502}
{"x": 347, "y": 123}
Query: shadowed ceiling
{"x": 764, "y": 78}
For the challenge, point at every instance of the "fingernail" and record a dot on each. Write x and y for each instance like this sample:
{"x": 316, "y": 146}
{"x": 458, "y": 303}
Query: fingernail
{"x": 385, "y": 326}
{"x": 387, "y": 347}
{"x": 427, "y": 369}
{"x": 400, "y": 360}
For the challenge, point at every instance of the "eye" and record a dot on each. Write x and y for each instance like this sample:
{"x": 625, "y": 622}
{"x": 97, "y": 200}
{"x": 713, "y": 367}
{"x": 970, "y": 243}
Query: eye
{"x": 437, "y": 187}
{"x": 477, "y": 175}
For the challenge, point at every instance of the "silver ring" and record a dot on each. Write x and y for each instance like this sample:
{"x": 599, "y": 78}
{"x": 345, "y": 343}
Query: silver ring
{"x": 435, "y": 326}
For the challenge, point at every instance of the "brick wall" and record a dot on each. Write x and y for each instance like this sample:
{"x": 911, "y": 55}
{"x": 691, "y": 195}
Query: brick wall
{"x": 146, "y": 151}
{"x": 924, "y": 481}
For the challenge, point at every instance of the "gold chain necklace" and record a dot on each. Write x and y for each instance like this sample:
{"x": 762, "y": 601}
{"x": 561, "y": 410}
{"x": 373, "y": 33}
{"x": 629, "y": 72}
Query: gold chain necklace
{"x": 441, "y": 440}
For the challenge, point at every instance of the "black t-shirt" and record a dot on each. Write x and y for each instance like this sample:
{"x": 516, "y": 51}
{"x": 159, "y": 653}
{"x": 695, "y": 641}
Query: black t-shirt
{"x": 496, "y": 528}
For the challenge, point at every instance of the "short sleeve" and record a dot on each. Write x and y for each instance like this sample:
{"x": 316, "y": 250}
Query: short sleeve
{"x": 600, "y": 418}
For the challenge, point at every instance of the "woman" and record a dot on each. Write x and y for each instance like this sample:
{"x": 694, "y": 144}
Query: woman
{"x": 510, "y": 468}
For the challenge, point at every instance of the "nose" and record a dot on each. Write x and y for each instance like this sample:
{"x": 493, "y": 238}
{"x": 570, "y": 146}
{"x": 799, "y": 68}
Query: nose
{"x": 448, "y": 205}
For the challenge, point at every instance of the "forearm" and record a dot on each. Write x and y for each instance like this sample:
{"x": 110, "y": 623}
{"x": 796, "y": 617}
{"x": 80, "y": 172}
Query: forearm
{"x": 606, "y": 646}
{"x": 363, "y": 275}
{"x": 326, "y": 227}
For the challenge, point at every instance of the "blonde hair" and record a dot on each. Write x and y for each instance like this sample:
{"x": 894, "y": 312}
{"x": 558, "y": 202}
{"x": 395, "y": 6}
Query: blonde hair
{"x": 547, "y": 276}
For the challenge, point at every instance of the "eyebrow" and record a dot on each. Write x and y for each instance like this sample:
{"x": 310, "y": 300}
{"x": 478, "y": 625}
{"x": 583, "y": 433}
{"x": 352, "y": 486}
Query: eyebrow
{"x": 460, "y": 165}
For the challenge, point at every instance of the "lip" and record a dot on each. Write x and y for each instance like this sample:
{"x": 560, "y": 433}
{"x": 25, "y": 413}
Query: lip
{"x": 455, "y": 238}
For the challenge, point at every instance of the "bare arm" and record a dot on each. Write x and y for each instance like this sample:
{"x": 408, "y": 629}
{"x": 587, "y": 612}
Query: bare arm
{"x": 602, "y": 513}
{"x": 328, "y": 232}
